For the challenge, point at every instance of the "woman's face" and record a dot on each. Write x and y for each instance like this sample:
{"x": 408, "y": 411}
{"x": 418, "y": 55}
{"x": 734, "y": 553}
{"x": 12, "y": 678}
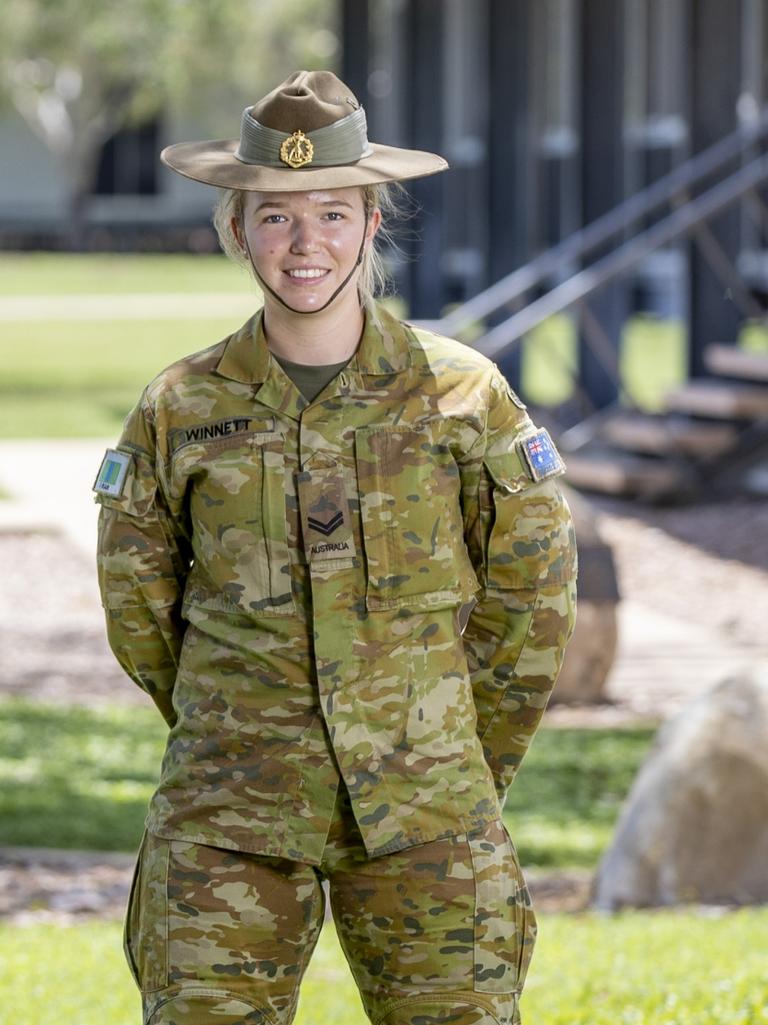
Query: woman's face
{"x": 304, "y": 244}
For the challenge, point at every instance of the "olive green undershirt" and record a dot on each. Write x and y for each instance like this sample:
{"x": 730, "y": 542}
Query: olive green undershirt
{"x": 310, "y": 380}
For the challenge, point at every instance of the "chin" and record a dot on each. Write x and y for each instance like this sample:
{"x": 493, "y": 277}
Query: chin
{"x": 305, "y": 303}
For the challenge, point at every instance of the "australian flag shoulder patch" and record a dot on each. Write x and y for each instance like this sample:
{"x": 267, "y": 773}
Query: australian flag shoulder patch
{"x": 540, "y": 455}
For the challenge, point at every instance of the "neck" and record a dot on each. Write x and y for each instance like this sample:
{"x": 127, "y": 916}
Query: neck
{"x": 327, "y": 337}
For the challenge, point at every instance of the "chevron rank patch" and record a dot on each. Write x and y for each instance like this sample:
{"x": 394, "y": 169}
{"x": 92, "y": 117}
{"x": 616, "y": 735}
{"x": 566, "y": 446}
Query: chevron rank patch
{"x": 112, "y": 473}
{"x": 325, "y": 516}
{"x": 541, "y": 456}
{"x": 328, "y": 526}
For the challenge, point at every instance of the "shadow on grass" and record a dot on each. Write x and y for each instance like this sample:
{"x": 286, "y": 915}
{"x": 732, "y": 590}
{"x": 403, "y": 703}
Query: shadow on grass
{"x": 45, "y": 815}
{"x": 74, "y": 777}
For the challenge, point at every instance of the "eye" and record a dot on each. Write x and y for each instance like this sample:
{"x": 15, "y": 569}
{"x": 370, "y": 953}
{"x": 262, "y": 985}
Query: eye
{"x": 335, "y": 215}
{"x": 274, "y": 219}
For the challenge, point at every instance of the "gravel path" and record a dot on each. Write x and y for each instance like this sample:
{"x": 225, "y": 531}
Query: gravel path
{"x": 66, "y": 887}
{"x": 707, "y": 564}
{"x": 52, "y": 644}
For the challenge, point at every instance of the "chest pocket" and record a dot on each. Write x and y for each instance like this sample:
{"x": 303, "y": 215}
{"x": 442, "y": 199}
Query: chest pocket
{"x": 412, "y": 526}
{"x": 237, "y": 509}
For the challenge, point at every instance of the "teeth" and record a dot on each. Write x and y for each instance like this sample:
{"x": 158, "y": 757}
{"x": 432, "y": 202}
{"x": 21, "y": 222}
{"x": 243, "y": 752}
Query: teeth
{"x": 310, "y": 272}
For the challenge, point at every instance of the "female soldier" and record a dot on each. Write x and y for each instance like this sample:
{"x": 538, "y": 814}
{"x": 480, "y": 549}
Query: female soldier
{"x": 333, "y": 552}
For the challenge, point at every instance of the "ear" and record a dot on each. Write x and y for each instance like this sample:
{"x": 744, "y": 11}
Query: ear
{"x": 234, "y": 223}
{"x": 374, "y": 222}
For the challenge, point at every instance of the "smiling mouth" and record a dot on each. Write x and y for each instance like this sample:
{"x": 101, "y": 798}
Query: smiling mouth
{"x": 307, "y": 273}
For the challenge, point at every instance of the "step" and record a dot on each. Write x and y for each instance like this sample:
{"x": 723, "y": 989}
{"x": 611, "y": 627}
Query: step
{"x": 719, "y": 400}
{"x": 663, "y": 435}
{"x": 731, "y": 361}
{"x": 621, "y": 474}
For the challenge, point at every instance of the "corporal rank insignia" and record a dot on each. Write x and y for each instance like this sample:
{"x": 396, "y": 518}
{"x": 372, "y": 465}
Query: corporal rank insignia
{"x": 325, "y": 520}
{"x": 541, "y": 456}
{"x": 328, "y": 526}
{"x": 112, "y": 473}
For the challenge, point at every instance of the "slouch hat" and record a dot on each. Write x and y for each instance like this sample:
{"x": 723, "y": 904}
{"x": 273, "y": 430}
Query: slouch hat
{"x": 308, "y": 133}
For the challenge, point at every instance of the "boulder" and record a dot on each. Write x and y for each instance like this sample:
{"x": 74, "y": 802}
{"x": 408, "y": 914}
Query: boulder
{"x": 592, "y": 649}
{"x": 695, "y": 825}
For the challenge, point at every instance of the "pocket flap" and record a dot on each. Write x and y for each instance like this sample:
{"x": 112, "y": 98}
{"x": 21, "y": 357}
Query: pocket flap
{"x": 508, "y": 472}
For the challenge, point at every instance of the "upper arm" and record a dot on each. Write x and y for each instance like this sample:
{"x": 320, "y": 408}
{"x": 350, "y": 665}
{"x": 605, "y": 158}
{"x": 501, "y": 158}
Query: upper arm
{"x": 141, "y": 554}
{"x": 519, "y": 528}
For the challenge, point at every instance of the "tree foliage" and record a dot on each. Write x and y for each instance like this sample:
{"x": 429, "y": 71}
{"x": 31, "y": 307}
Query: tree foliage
{"x": 79, "y": 70}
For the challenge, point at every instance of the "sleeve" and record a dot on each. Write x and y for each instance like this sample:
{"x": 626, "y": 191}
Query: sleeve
{"x": 143, "y": 559}
{"x": 520, "y": 536}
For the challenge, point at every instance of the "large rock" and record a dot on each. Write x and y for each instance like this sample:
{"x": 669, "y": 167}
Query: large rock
{"x": 695, "y": 824}
{"x": 592, "y": 649}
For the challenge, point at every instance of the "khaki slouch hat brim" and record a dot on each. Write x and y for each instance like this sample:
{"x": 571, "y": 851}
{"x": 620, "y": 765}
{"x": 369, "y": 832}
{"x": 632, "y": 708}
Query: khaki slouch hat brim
{"x": 308, "y": 133}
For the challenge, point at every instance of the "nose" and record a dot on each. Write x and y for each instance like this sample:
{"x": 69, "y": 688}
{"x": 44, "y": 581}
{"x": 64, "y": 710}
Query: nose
{"x": 304, "y": 238}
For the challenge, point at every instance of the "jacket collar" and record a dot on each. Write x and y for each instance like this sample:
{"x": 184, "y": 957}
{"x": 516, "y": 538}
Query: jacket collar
{"x": 384, "y": 349}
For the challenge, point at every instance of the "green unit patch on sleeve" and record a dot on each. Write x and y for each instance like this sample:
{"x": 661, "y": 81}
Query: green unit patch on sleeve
{"x": 112, "y": 473}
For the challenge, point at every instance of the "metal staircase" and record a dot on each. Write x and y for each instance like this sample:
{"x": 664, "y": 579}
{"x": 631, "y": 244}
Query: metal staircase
{"x": 712, "y": 433}
{"x": 711, "y": 436}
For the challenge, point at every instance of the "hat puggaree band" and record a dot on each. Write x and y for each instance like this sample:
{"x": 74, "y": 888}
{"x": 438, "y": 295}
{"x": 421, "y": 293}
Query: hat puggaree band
{"x": 343, "y": 142}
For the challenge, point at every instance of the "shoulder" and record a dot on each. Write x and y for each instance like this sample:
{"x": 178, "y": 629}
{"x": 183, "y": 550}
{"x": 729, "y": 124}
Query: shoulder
{"x": 437, "y": 351}
{"x": 188, "y": 371}
{"x": 443, "y": 356}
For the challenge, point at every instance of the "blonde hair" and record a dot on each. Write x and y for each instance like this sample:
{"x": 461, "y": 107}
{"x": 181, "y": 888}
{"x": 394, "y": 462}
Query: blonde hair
{"x": 375, "y": 279}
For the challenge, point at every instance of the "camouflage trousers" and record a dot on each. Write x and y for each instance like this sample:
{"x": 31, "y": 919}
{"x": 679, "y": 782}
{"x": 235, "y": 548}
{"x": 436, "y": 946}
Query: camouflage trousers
{"x": 438, "y": 934}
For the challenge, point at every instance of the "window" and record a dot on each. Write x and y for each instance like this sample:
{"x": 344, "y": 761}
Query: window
{"x": 128, "y": 164}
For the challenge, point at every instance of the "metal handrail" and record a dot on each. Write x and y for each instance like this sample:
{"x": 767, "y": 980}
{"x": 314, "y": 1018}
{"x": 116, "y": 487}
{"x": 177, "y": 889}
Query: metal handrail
{"x": 598, "y": 232}
{"x": 681, "y": 221}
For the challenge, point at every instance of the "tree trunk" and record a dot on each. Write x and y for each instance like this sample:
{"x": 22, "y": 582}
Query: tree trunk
{"x": 81, "y": 173}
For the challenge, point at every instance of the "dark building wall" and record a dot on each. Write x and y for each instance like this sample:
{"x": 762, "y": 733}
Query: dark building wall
{"x": 567, "y": 108}
{"x": 715, "y": 70}
{"x": 602, "y": 44}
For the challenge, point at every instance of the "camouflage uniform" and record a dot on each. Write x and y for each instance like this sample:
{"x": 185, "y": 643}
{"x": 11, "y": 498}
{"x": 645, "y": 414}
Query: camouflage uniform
{"x": 375, "y": 588}
{"x": 439, "y": 932}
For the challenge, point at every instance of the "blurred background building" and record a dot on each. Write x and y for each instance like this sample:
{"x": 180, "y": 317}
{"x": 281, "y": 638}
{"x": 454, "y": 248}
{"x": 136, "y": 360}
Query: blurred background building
{"x": 554, "y": 115}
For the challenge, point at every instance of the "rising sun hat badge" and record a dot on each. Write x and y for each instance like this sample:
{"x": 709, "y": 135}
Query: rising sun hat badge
{"x": 297, "y": 150}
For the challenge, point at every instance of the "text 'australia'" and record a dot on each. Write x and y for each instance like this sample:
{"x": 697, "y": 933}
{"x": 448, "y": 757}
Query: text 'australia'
{"x": 331, "y": 546}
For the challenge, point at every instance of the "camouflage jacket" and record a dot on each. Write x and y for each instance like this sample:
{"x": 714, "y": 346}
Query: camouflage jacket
{"x": 377, "y": 586}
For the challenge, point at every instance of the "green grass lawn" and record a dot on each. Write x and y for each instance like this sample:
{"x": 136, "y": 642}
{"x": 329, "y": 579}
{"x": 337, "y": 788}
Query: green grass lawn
{"x": 562, "y": 808}
{"x": 71, "y": 777}
{"x": 79, "y": 378}
{"x": 113, "y": 274}
{"x": 644, "y": 968}
{"x": 68, "y": 378}
{"x": 79, "y": 778}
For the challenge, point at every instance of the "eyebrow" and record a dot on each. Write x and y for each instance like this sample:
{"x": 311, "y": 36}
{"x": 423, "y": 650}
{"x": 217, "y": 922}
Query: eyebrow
{"x": 279, "y": 205}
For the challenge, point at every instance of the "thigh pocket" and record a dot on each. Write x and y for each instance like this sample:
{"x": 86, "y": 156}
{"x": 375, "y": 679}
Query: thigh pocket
{"x": 505, "y": 924}
{"x": 145, "y": 937}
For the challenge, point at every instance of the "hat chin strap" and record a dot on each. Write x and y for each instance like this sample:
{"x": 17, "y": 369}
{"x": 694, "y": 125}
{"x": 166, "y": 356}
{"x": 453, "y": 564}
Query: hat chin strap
{"x": 325, "y": 305}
